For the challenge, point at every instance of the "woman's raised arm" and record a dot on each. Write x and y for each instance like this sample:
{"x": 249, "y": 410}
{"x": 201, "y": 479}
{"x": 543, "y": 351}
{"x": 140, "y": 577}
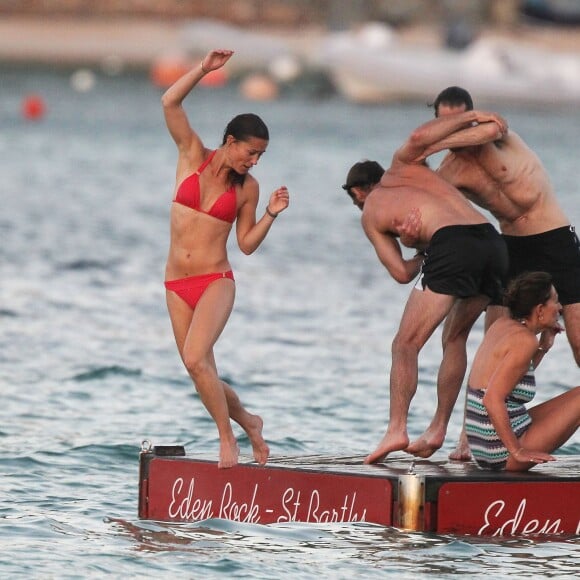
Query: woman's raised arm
{"x": 172, "y": 99}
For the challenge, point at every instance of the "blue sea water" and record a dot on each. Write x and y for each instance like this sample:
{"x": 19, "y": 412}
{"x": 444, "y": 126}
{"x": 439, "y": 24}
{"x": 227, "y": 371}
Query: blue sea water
{"x": 88, "y": 366}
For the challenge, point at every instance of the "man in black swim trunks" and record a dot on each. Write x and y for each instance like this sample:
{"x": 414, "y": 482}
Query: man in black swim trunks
{"x": 506, "y": 177}
{"x": 463, "y": 269}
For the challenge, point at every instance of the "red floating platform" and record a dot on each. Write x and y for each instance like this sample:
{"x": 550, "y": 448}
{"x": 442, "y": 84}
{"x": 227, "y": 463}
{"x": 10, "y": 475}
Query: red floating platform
{"x": 422, "y": 494}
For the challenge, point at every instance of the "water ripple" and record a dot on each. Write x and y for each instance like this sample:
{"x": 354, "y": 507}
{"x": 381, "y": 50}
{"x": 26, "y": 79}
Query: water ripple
{"x": 89, "y": 368}
{"x": 106, "y": 372}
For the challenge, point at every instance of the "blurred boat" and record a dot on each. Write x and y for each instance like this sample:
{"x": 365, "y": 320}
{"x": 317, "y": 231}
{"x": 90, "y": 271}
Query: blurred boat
{"x": 376, "y": 67}
{"x": 558, "y": 12}
{"x": 255, "y": 51}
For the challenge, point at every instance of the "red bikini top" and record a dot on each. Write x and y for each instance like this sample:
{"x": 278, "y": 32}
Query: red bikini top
{"x": 188, "y": 194}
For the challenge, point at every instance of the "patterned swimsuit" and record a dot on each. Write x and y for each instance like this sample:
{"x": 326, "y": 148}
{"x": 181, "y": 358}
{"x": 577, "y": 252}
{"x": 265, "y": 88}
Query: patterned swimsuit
{"x": 487, "y": 448}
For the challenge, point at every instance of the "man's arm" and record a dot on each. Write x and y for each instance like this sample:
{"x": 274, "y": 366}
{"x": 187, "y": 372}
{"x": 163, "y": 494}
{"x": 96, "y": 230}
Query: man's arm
{"x": 429, "y": 137}
{"x": 389, "y": 252}
{"x": 477, "y": 135}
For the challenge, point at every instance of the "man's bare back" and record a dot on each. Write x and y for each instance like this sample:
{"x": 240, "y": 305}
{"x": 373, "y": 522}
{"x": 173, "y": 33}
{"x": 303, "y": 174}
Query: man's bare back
{"x": 404, "y": 187}
{"x": 460, "y": 281}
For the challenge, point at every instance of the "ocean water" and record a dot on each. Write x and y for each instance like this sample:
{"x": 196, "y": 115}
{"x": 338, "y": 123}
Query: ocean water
{"x": 88, "y": 366}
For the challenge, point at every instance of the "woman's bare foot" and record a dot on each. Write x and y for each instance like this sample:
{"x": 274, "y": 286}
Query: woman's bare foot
{"x": 253, "y": 428}
{"x": 229, "y": 453}
{"x": 390, "y": 442}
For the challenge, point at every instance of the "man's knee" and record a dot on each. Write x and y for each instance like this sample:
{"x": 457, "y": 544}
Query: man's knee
{"x": 571, "y": 316}
{"x": 574, "y": 342}
{"x": 456, "y": 336}
{"x": 404, "y": 344}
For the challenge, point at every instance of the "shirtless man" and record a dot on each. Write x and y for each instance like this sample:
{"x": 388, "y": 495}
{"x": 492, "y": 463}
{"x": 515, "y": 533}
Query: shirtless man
{"x": 507, "y": 178}
{"x": 463, "y": 266}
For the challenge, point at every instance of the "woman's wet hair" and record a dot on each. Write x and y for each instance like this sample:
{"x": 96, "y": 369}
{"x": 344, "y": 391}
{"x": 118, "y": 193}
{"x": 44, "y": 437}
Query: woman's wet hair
{"x": 245, "y": 126}
{"x": 527, "y": 291}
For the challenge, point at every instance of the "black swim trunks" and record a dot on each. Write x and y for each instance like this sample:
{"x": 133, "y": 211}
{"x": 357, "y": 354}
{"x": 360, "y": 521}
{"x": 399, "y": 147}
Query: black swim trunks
{"x": 466, "y": 261}
{"x": 556, "y": 252}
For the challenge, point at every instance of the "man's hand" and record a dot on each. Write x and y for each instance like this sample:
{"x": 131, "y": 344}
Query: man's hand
{"x": 485, "y": 117}
{"x": 409, "y": 230}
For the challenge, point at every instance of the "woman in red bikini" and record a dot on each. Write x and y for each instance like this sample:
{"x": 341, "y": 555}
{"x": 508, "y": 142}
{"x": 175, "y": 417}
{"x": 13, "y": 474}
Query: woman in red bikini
{"x": 213, "y": 189}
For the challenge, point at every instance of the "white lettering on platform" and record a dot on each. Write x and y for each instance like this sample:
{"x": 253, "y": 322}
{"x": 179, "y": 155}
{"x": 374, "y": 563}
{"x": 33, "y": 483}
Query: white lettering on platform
{"x": 290, "y": 505}
{"x": 186, "y": 507}
{"x": 295, "y": 505}
{"x": 346, "y": 512}
{"x": 230, "y": 509}
{"x": 498, "y": 522}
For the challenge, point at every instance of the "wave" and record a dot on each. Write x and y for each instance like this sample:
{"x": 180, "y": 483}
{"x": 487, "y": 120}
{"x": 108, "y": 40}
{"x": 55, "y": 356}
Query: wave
{"x": 6, "y": 313}
{"x": 105, "y": 372}
{"x": 85, "y": 264}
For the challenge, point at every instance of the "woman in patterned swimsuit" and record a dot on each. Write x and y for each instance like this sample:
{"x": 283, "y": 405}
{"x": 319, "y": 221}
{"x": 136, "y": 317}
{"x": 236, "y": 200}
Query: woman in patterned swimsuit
{"x": 502, "y": 433}
{"x": 213, "y": 189}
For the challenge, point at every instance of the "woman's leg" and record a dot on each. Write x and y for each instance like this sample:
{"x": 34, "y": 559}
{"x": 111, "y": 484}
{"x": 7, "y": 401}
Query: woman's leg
{"x": 553, "y": 423}
{"x": 196, "y": 332}
{"x": 250, "y": 423}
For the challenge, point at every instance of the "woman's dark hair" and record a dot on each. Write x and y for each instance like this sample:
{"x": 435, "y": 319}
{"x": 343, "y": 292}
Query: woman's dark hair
{"x": 244, "y": 126}
{"x": 526, "y": 291}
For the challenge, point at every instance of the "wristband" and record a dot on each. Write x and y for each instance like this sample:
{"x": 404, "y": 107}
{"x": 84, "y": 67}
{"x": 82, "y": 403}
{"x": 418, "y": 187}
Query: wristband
{"x": 271, "y": 213}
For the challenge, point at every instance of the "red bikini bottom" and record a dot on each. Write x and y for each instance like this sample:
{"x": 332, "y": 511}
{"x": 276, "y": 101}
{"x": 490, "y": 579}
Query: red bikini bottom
{"x": 191, "y": 289}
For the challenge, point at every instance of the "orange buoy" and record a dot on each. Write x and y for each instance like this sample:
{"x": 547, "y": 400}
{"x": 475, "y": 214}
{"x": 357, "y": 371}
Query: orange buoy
{"x": 259, "y": 87}
{"x": 168, "y": 69}
{"x": 214, "y": 78}
{"x": 33, "y": 107}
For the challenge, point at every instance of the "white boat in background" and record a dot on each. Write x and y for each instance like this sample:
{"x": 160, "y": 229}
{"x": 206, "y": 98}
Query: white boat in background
{"x": 255, "y": 51}
{"x": 372, "y": 65}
